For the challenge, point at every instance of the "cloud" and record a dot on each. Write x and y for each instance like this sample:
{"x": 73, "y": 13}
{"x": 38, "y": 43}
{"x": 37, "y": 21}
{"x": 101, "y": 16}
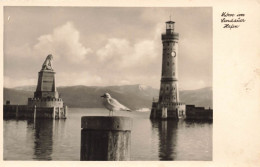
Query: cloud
{"x": 124, "y": 50}
{"x": 21, "y": 51}
{"x": 78, "y": 78}
{"x": 10, "y": 82}
{"x": 115, "y": 49}
{"x": 125, "y": 61}
{"x": 63, "y": 43}
{"x": 122, "y": 53}
{"x": 124, "y": 82}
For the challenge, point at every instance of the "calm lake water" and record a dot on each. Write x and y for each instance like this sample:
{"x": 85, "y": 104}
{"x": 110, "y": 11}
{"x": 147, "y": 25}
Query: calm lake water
{"x": 150, "y": 140}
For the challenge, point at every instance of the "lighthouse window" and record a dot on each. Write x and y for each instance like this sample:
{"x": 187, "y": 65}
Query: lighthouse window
{"x": 167, "y": 63}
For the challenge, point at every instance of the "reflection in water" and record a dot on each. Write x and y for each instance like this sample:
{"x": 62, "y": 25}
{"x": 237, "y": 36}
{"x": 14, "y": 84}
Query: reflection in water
{"x": 167, "y": 138}
{"x": 150, "y": 140}
{"x": 199, "y": 122}
{"x": 43, "y": 139}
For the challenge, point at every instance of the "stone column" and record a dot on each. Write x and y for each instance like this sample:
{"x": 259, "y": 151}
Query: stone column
{"x": 34, "y": 112}
{"x": 59, "y": 112}
{"x": 105, "y": 138}
{"x": 65, "y": 112}
{"x": 164, "y": 112}
{"x": 54, "y": 114}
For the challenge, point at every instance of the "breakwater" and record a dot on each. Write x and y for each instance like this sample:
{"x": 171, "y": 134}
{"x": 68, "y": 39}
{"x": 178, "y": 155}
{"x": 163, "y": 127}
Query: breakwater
{"x": 26, "y": 111}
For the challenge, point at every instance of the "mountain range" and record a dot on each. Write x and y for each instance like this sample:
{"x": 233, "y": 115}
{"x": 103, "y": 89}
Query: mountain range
{"x": 132, "y": 96}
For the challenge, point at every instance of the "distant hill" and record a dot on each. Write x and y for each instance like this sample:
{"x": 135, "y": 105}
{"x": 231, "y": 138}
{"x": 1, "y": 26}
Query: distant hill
{"x": 199, "y": 97}
{"x": 27, "y": 88}
{"x": 17, "y": 96}
{"x": 132, "y": 96}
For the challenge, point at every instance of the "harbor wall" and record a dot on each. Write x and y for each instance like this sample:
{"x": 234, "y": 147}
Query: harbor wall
{"x": 167, "y": 110}
{"x": 198, "y": 113}
{"x": 45, "y": 102}
{"x": 25, "y": 111}
{"x": 180, "y": 111}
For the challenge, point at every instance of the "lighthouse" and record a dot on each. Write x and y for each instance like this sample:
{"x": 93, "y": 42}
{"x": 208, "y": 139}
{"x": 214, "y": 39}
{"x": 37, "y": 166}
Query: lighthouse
{"x": 169, "y": 79}
{"x": 168, "y": 105}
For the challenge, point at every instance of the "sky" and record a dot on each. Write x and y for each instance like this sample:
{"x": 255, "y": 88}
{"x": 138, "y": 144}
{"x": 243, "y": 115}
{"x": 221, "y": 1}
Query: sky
{"x": 102, "y": 46}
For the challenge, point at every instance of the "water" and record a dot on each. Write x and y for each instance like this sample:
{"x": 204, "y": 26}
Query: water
{"x": 150, "y": 140}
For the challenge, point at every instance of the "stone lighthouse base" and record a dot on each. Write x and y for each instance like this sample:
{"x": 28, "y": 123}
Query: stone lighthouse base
{"x": 180, "y": 111}
{"x": 168, "y": 111}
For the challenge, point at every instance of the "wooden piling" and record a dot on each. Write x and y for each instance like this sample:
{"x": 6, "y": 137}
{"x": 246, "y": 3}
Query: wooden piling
{"x": 17, "y": 111}
{"x": 105, "y": 138}
{"x": 65, "y": 111}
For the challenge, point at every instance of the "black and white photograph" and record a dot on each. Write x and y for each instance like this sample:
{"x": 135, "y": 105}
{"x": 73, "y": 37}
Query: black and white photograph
{"x": 172, "y": 84}
{"x": 100, "y": 83}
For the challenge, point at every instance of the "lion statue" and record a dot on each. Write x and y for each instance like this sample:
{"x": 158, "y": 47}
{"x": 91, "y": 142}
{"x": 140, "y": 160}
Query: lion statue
{"x": 47, "y": 63}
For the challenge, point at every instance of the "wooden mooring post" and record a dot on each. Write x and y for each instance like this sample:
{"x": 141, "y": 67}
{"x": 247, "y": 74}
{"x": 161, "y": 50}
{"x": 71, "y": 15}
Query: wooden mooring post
{"x": 17, "y": 111}
{"x": 105, "y": 138}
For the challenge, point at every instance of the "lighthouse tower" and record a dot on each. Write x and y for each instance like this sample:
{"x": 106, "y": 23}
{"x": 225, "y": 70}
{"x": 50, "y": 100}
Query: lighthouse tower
{"x": 168, "y": 104}
{"x": 169, "y": 85}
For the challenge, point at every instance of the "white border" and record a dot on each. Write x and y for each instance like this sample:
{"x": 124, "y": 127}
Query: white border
{"x": 236, "y": 84}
